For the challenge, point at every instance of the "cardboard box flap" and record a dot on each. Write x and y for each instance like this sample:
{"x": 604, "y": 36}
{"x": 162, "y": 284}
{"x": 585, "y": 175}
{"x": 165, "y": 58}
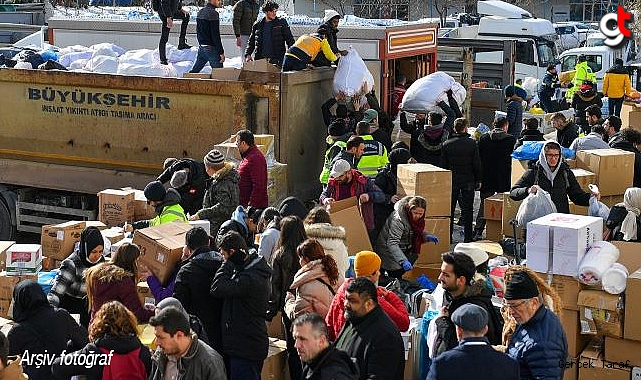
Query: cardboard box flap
{"x": 165, "y": 231}
{"x": 629, "y": 254}
{"x": 341, "y": 205}
{"x": 598, "y": 299}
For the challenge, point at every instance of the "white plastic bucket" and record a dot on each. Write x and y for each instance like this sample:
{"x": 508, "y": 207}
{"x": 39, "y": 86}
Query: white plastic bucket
{"x": 615, "y": 278}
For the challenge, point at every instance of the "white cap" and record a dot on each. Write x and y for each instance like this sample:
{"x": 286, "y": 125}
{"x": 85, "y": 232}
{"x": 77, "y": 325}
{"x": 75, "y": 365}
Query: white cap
{"x": 478, "y": 255}
{"x": 339, "y": 168}
{"x": 330, "y": 14}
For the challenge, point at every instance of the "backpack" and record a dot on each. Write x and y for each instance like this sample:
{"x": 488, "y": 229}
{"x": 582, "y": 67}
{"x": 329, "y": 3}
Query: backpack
{"x": 124, "y": 366}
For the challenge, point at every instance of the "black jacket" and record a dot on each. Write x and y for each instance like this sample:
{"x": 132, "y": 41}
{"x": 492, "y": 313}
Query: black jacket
{"x": 386, "y": 181}
{"x": 529, "y": 135}
{"x": 580, "y": 103}
{"x": 192, "y": 290}
{"x": 460, "y": 154}
{"x": 208, "y": 29}
{"x": 548, "y": 85}
{"x": 616, "y": 216}
{"x": 566, "y": 135}
{"x": 245, "y": 291}
{"x": 281, "y": 35}
{"x": 192, "y": 193}
{"x": 120, "y": 345}
{"x": 495, "y": 149}
{"x": 284, "y": 265}
{"x": 565, "y": 185}
{"x": 332, "y": 39}
{"x": 375, "y": 343}
{"x": 627, "y": 146}
{"x": 234, "y": 225}
{"x": 330, "y": 364}
{"x": 426, "y": 141}
{"x": 41, "y": 328}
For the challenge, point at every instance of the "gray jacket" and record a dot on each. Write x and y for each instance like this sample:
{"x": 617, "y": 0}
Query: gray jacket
{"x": 201, "y": 362}
{"x": 592, "y": 140}
{"x": 221, "y": 198}
{"x": 394, "y": 244}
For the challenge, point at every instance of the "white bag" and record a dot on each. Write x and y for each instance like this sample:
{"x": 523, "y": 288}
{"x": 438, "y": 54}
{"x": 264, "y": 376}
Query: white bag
{"x": 425, "y": 93}
{"x": 352, "y": 76}
{"x": 598, "y": 208}
{"x": 534, "y": 207}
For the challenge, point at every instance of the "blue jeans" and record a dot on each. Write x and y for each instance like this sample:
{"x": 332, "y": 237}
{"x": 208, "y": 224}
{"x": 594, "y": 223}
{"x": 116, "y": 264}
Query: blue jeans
{"x": 293, "y": 64}
{"x": 243, "y": 369}
{"x": 206, "y": 54}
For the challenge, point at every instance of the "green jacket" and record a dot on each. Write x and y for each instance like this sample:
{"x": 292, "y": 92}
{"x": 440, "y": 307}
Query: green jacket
{"x": 221, "y": 198}
{"x": 332, "y": 152}
{"x": 245, "y": 14}
{"x": 583, "y": 72}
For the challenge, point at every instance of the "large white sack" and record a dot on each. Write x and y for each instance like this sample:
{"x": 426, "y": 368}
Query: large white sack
{"x": 109, "y": 46}
{"x": 138, "y": 57}
{"x": 78, "y": 64}
{"x": 71, "y": 49}
{"x": 107, "y": 52}
{"x": 352, "y": 76}
{"x": 426, "y": 92}
{"x": 103, "y": 64}
{"x": 146, "y": 69}
{"x": 67, "y": 59}
{"x": 183, "y": 67}
{"x": 175, "y": 55}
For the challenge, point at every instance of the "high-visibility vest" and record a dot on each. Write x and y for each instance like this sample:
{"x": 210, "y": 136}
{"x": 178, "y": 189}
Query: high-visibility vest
{"x": 583, "y": 72}
{"x": 327, "y": 166}
{"x": 169, "y": 214}
{"x": 374, "y": 157}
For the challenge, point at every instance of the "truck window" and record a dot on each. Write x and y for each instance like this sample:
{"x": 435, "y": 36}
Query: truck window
{"x": 568, "y": 63}
{"x": 595, "y": 62}
{"x": 547, "y": 52}
{"x": 525, "y": 52}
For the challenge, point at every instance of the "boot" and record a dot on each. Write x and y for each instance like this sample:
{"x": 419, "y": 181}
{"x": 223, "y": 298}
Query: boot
{"x": 182, "y": 45}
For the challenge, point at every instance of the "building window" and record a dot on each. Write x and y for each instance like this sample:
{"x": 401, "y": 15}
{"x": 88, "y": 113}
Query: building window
{"x": 383, "y": 9}
{"x": 590, "y": 10}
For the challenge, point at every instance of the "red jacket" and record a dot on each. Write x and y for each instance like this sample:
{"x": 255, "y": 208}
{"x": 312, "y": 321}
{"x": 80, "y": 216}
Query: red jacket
{"x": 253, "y": 179}
{"x": 390, "y": 303}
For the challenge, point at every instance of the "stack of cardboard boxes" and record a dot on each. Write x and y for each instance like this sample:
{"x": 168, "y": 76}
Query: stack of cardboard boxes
{"x": 22, "y": 262}
{"x": 631, "y": 115}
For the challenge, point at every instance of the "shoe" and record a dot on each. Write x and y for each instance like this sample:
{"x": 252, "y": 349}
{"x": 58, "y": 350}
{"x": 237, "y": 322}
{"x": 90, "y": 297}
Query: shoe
{"x": 183, "y": 46}
{"x": 163, "y": 62}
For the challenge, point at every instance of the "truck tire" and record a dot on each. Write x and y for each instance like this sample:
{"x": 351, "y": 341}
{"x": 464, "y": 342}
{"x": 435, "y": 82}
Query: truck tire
{"x": 7, "y": 232}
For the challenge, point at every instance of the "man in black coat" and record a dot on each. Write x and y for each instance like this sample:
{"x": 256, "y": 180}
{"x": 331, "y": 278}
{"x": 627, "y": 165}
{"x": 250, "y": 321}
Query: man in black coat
{"x": 566, "y": 130}
{"x": 329, "y": 28}
{"x": 168, "y": 10}
{"x": 189, "y": 178}
{"x": 474, "y": 357}
{"x": 495, "y": 150}
{"x": 460, "y": 154}
{"x": 269, "y": 36}
{"x": 369, "y": 335}
{"x": 530, "y": 132}
{"x": 321, "y": 361}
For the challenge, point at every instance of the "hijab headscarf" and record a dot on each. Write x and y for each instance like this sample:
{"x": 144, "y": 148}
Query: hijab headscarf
{"x": 90, "y": 238}
{"x": 549, "y": 173}
{"x": 632, "y": 202}
{"x": 28, "y": 300}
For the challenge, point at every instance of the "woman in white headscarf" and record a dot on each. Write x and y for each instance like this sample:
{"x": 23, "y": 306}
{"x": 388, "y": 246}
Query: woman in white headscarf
{"x": 624, "y": 221}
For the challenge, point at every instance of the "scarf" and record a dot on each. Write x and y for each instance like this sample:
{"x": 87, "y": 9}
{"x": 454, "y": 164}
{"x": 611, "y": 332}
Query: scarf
{"x": 418, "y": 226}
{"x": 632, "y": 202}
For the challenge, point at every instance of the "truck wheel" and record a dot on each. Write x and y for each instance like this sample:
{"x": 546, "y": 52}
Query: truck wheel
{"x": 7, "y": 232}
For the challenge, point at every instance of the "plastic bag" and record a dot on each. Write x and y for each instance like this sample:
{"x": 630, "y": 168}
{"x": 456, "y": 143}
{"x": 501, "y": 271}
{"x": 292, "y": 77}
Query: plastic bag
{"x": 530, "y": 150}
{"x": 534, "y": 207}
{"x": 352, "y": 76}
{"x": 598, "y": 208}
{"x": 426, "y": 92}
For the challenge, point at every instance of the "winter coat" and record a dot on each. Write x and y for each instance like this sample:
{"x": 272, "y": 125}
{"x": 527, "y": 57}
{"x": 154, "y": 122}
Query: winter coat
{"x": 548, "y": 85}
{"x": 616, "y": 82}
{"x": 566, "y": 136}
{"x": 539, "y": 346}
{"x": 386, "y": 181}
{"x": 168, "y": 211}
{"x": 592, "y": 140}
{"x": 461, "y": 155}
{"x": 332, "y": 41}
{"x": 191, "y": 194}
{"x": 529, "y": 135}
{"x": 495, "y": 149}
{"x": 394, "y": 243}
{"x": 615, "y": 139}
{"x": 375, "y": 344}
{"x": 169, "y": 7}
{"x": 293, "y": 206}
{"x": 208, "y": 34}
{"x": 121, "y": 345}
{"x": 330, "y": 364}
{"x": 201, "y": 362}
{"x": 109, "y": 282}
{"x": 359, "y": 185}
{"x": 70, "y": 280}
{"x": 475, "y": 293}
{"x": 426, "y": 141}
{"x": 221, "y": 198}
{"x": 514, "y": 117}
{"x": 284, "y": 265}
{"x": 192, "y": 290}
{"x": 474, "y": 358}
{"x": 13, "y": 370}
{"x": 387, "y": 300}
{"x": 281, "y": 35}
{"x": 310, "y": 291}
{"x": 245, "y": 292}
{"x": 565, "y": 185}
{"x": 40, "y": 328}
{"x": 580, "y": 103}
{"x": 333, "y": 239}
{"x": 627, "y": 146}
{"x": 245, "y": 14}
{"x": 253, "y": 179}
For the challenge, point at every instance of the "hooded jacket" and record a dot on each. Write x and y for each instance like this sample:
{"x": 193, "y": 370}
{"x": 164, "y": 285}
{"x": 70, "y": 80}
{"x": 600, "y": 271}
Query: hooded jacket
{"x": 121, "y": 345}
{"x": 426, "y": 141}
{"x": 616, "y": 82}
{"x": 495, "y": 149}
{"x": 333, "y": 239}
{"x": 253, "y": 179}
{"x": 394, "y": 243}
{"x": 237, "y": 224}
{"x": 191, "y": 194}
{"x": 387, "y": 300}
{"x": 192, "y": 290}
{"x": 168, "y": 211}
{"x": 460, "y": 154}
{"x": 41, "y": 328}
{"x": 201, "y": 362}
{"x": 245, "y": 292}
{"x": 221, "y": 198}
{"x": 310, "y": 291}
{"x": 330, "y": 364}
{"x": 529, "y": 135}
{"x": 109, "y": 282}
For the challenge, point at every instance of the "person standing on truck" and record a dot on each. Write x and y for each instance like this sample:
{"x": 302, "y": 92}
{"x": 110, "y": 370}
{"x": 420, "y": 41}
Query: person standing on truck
{"x": 168, "y": 10}
{"x": 252, "y": 171}
{"x": 245, "y": 15}
{"x": 166, "y": 203}
{"x": 305, "y": 50}
{"x": 329, "y": 28}
{"x": 208, "y": 34}
{"x": 548, "y": 87}
{"x": 616, "y": 83}
{"x": 188, "y": 177}
{"x": 269, "y": 36}
{"x": 583, "y": 72}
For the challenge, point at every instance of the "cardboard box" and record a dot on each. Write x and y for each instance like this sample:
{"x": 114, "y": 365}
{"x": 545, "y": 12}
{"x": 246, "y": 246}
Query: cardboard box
{"x": 144, "y": 293}
{"x": 430, "y": 252}
{"x": 4, "y": 245}
{"x": 49, "y": 264}
{"x": 567, "y": 288}
{"x": 571, "y": 373}
{"x": 578, "y": 210}
{"x": 631, "y": 116}
{"x": 142, "y": 210}
{"x": 584, "y": 178}
{"x": 275, "y": 364}
{"x": 594, "y": 367}
{"x": 95, "y": 223}
{"x": 24, "y": 259}
{"x": 277, "y": 185}
{"x": 510, "y": 208}
{"x": 492, "y": 248}
{"x": 493, "y": 230}
{"x": 260, "y": 65}
{"x": 629, "y": 255}
{"x": 614, "y": 168}
{"x": 611, "y": 200}
{"x": 116, "y": 207}
{"x": 113, "y": 234}
{"x": 601, "y": 313}
{"x": 518, "y": 168}
{"x": 430, "y": 182}
{"x": 431, "y": 271}
{"x": 197, "y": 75}
{"x": 623, "y": 351}
{"x": 571, "y": 325}
{"x": 347, "y": 214}
{"x": 632, "y": 322}
{"x": 570, "y": 236}
{"x": 161, "y": 247}
{"x": 225, "y": 73}
{"x": 7, "y": 283}
{"x": 4, "y": 308}
{"x": 58, "y": 241}
{"x": 493, "y": 207}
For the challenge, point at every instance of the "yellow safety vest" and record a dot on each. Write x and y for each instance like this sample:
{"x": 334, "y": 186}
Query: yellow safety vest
{"x": 169, "y": 214}
{"x": 312, "y": 45}
{"x": 374, "y": 157}
{"x": 327, "y": 166}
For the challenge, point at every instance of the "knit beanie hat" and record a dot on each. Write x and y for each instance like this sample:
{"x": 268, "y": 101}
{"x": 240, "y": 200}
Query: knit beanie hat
{"x": 155, "y": 191}
{"x": 214, "y": 158}
{"x": 366, "y": 263}
{"x": 477, "y": 255}
{"x": 179, "y": 179}
{"x": 520, "y": 287}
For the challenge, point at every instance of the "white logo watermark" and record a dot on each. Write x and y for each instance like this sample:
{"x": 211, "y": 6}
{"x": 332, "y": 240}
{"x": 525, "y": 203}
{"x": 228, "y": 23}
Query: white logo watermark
{"x": 614, "y": 37}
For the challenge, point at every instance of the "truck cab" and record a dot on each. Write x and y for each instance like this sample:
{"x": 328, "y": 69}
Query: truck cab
{"x": 599, "y": 58}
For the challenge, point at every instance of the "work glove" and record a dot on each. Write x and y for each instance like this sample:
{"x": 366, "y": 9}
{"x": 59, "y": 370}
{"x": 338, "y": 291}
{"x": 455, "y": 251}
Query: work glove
{"x": 430, "y": 238}
{"x": 407, "y": 266}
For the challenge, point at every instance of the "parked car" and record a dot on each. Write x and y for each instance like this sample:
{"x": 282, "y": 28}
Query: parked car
{"x": 571, "y": 34}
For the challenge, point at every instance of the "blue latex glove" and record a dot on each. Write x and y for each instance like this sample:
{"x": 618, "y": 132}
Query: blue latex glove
{"x": 430, "y": 238}
{"x": 407, "y": 266}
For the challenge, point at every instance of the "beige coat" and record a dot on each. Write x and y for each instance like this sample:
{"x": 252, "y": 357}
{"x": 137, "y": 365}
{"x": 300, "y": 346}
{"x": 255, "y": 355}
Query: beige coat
{"x": 311, "y": 295}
